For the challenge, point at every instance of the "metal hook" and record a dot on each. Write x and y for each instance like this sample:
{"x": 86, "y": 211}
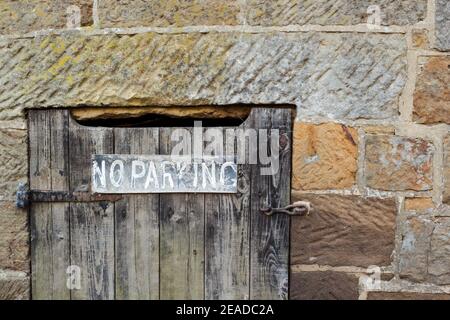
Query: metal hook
{"x": 299, "y": 208}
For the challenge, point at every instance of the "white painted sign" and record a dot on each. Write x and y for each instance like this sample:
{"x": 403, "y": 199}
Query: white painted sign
{"x": 162, "y": 174}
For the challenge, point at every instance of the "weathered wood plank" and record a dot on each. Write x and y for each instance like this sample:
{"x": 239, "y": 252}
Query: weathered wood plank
{"x": 49, "y": 222}
{"x": 137, "y": 225}
{"x": 181, "y": 239}
{"x": 91, "y": 224}
{"x": 227, "y": 249}
{"x": 40, "y": 141}
{"x": 40, "y": 214}
{"x": 269, "y": 270}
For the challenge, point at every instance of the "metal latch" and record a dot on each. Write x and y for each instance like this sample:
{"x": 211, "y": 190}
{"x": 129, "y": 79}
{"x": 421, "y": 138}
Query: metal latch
{"x": 299, "y": 208}
{"x": 25, "y": 196}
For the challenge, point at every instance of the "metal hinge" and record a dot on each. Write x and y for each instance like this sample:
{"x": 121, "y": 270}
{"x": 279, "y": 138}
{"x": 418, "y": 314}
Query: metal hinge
{"x": 24, "y": 196}
{"x": 299, "y": 208}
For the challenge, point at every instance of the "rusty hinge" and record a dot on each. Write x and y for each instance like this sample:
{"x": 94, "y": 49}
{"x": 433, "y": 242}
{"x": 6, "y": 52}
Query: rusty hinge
{"x": 25, "y": 196}
{"x": 299, "y": 208}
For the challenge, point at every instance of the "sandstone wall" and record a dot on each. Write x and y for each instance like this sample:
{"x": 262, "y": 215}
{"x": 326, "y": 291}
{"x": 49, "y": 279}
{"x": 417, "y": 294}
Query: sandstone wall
{"x": 371, "y": 139}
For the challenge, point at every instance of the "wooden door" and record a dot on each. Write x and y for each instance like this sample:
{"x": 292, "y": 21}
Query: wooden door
{"x": 152, "y": 246}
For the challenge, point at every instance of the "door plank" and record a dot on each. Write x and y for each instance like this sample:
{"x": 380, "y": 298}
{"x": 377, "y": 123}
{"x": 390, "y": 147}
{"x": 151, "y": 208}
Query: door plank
{"x": 50, "y": 255}
{"x": 137, "y": 225}
{"x": 227, "y": 248}
{"x": 269, "y": 271}
{"x": 181, "y": 239}
{"x": 91, "y": 224}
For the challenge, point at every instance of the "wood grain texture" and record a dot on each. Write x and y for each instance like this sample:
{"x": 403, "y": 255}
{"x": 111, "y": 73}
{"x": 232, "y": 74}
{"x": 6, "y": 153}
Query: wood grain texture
{"x": 137, "y": 226}
{"x": 91, "y": 224}
{"x": 49, "y": 222}
{"x": 181, "y": 239}
{"x": 227, "y": 248}
{"x": 269, "y": 238}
